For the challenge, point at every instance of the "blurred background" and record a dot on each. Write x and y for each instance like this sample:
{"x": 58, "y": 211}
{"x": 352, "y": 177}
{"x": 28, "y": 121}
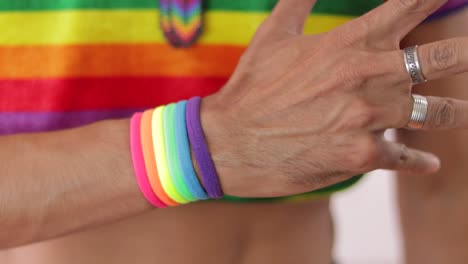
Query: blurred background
{"x": 366, "y": 222}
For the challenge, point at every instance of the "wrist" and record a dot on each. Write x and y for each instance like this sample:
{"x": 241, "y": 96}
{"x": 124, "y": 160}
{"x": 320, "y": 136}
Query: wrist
{"x": 65, "y": 181}
{"x": 220, "y": 134}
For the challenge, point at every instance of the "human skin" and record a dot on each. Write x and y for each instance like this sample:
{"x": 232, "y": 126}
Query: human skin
{"x": 200, "y": 233}
{"x": 433, "y": 208}
{"x": 79, "y": 179}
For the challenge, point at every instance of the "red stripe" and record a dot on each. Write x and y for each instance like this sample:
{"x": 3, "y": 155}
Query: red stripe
{"x": 101, "y": 93}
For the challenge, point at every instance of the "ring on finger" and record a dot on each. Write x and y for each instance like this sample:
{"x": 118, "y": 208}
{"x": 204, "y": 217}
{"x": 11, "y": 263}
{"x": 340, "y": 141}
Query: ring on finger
{"x": 419, "y": 113}
{"x": 413, "y": 67}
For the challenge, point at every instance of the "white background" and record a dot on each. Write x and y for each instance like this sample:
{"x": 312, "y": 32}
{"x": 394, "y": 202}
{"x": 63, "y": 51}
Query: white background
{"x": 366, "y": 222}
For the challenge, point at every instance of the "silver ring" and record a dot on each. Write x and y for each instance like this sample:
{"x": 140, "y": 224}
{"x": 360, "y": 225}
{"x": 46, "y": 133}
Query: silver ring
{"x": 419, "y": 114}
{"x": 413, "y": 67}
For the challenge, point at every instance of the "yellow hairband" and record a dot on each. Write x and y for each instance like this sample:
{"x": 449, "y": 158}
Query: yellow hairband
{"x": 161, "y": 158}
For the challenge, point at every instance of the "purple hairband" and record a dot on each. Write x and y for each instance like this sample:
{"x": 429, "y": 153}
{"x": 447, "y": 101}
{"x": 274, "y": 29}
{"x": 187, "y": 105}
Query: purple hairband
{"x": 200, "y": 150}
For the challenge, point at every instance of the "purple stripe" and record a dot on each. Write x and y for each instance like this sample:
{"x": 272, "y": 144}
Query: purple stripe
{"x": 163, "y": 4}
{"x": 185, "y": 7}
{"x": 451, "y": 4}
{"x": 450, "y": 7}
{"x": 24, "y": 122}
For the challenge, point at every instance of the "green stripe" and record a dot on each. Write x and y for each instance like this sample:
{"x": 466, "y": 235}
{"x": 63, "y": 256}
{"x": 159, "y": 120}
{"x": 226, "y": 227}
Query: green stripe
{"x": 318, "y": 193}
{"x": 338, "y": 7}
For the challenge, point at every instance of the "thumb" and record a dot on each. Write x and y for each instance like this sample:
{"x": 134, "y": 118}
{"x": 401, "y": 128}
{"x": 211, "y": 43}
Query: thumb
{"x": 399, "y": 157}
{"x": 290, "y": 15}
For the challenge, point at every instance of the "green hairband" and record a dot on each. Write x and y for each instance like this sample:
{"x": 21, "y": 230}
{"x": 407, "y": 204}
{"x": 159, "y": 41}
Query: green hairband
{"x": 327, "y": 191}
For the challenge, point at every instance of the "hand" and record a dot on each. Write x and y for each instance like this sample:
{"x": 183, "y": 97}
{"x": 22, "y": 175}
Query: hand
{"x": 304, "y": 112}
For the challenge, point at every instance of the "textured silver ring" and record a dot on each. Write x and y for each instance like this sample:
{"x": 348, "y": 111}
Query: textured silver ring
{"x": 413, "y": 67}
{"x": 419, "y": 114}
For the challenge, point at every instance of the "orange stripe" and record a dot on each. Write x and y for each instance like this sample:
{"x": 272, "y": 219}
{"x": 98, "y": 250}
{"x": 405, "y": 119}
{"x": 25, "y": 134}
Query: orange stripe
{"x": 117, "y": 60}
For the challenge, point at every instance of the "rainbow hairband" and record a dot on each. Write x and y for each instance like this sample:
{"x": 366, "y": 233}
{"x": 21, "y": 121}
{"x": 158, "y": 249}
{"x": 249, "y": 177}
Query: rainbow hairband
{"x": 161, "y": 142}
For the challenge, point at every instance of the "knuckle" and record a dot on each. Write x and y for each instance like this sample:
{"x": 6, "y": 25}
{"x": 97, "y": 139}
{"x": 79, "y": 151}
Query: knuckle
{"x": 395, "y": 71}
{"x": 355, "y": 70}
{"x": 364, "y": 113}
{"x": 364, "y": 120}
{"x": 366, "y": 22}
{"x": 410, "y": 4}
{"x": 366, "y": 155}
{"x": 443, "y": 114}
{"x": 444, "y": 56}
{"x": 401, "y": 158}
{"x": 404, "y": 155}
{"x": 372, "y": 65}
{"x": 402, "y": 113}
{"x": 394, "y": 41}
{"x": 351, "y": 33}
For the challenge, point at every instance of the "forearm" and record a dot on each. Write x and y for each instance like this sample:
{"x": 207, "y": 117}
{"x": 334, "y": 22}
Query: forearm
{"x": 56, "y": 183}
{"x": 66, "y": 181}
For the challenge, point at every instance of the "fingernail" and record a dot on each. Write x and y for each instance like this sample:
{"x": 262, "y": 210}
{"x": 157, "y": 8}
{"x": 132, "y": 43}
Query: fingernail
{"x": 433, "y": 162}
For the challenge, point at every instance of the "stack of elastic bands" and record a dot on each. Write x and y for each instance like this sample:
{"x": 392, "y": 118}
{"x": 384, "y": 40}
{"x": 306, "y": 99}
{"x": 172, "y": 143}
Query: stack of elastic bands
{"x": 162, "y": 141}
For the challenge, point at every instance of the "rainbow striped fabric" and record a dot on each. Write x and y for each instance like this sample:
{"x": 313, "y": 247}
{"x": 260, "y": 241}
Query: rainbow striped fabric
{"x": 66, "y": 63}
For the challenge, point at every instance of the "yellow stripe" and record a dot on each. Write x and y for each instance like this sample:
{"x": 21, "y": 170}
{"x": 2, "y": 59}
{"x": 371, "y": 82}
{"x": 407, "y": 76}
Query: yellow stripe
{"x": 132, "y": 26}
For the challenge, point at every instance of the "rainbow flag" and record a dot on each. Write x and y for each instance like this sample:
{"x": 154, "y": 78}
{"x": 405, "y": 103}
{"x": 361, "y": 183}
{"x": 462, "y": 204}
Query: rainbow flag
{"x": 66, "y": 63}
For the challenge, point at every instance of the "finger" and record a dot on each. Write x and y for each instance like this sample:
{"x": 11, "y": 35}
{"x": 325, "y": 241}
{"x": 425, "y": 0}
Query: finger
{"x": 396, "y": 18}
{"x": 291, "y": 15}
{"x": 446, "y": 113}
{"x": 401, "y": 158}
{"x": 444, "y": 58}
